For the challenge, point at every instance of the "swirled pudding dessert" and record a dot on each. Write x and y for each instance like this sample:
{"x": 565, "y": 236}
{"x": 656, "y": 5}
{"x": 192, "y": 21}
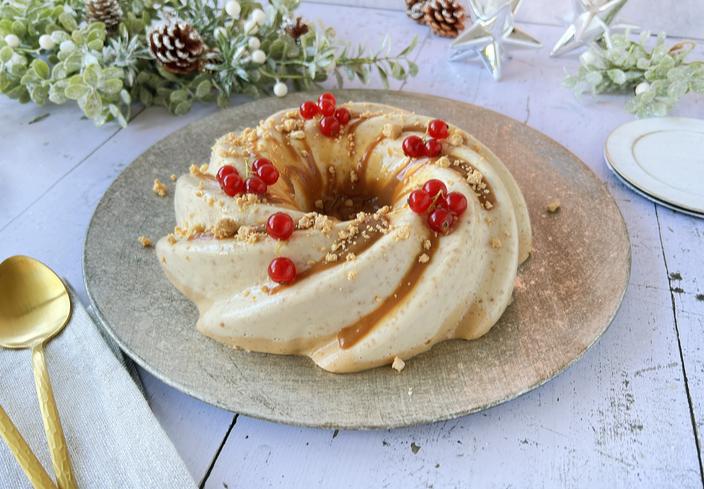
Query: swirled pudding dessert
{"x": 353, "y": 234}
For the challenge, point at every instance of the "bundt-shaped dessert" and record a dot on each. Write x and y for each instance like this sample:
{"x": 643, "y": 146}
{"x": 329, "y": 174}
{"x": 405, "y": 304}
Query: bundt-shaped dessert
{"x": 353, "y": 234}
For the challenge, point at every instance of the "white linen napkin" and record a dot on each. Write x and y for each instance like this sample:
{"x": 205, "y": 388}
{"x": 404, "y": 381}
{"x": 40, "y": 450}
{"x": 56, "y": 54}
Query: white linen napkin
{"x": 114, "y": 439}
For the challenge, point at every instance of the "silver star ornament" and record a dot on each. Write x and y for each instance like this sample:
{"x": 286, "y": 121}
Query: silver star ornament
{"x": 591, "y": 19}
{"x": 490, "y": 35}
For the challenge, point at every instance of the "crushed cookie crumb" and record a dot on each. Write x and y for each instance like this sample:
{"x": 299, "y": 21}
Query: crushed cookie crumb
{"x": 553, "y": 206}
{"x": 225, "y": 228}
{"x": 307, "y": 221}
{"x": 159, "y": 188}
{"x": 443, "y": 162}
{"x": 173, "y": 177}
{"x": 171, "y": 239}
{"x": 424, "y": 258}
{"x": 456, "y": 138}
{"x": 398, "y": 364}
{"x": 352, "y": 274}
{"x": 331, "y": 257}
{"x": 299, "y": 135}
{"x": 496, "y": 243}
{"x": 488, "y": 205}
{"x": 199, "y": 171}
{"x": 427, "y": 244}
{"x": 404, "y": 233}
{"x": 145, "y": 242}
{"x": 350, "y": 256}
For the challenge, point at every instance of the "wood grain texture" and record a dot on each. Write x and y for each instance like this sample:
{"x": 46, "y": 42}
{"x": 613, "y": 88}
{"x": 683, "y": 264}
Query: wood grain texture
{"x": 572, "y": 432}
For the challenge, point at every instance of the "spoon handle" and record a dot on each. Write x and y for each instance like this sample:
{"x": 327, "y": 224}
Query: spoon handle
{"x": 24, "y": 455}
{"x": 52, "y": 425}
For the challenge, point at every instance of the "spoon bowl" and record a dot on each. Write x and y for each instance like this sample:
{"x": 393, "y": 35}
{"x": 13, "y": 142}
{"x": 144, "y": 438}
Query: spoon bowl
{"x": 34, "y": 303}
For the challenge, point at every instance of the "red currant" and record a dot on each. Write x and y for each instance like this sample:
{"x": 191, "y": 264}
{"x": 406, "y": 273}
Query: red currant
{"x": 329, "y": 97}
{"x": 438, "y": 129}
{"x": 413, "y": 146}
{"x": 440, "y": 220}
{"x": 326, "y": 107}
{"x": 419, "y": 201}
{"x": 255, "y": 185}
{"x": 434, "y": 187}
{"x": 282, "y": 270}
{"x": 433, "y": 148}
{"x": 330, "y": 126}
{"x": 269, "y": 174}
{"x": 224, "y": 171}
{"x": 260, "y": 163}
{"x": 456, "y": 203}
{"x": 308, "y": 109}
{"x": 280, "y": 226}
{"x": 342, "y": 115}
{"x": 232, "y": 184}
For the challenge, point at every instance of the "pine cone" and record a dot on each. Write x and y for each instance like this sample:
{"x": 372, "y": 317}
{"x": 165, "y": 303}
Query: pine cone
{"x": 414, "y": 9}
{"x": 445, "y": 17}
{"x": 296, "y": 28}
{"x": 108, "y": 12}
{"x": 177, "y": 46}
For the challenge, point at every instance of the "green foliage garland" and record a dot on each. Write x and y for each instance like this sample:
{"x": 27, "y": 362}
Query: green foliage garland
{"x": 658, "y": 77}
{"x": 50, "y": 53}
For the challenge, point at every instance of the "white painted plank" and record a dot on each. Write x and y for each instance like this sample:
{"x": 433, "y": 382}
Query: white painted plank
{"x": 683, "y": 240}
{"x": 195, "y": 428}
{"x": 618, "y": 418}
{"x": 36, "y": 154}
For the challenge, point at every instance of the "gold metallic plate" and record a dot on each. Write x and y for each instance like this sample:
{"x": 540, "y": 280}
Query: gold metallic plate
{"x": 573, "y": 286}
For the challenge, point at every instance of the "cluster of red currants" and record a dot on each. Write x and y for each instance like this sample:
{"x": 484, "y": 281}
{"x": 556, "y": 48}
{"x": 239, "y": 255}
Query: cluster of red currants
{"x": 333, "y": 117}
{"x": 415, "y": 147}
{"x": 443, "y": 208}
{"x": 280, "y": 226}
{"x": 264, "y": 173}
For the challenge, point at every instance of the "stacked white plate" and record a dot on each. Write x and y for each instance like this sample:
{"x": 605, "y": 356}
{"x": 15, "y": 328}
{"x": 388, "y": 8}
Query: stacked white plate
{"x": 662, "y": 159}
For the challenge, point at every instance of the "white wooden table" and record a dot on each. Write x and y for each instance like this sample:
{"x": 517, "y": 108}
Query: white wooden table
{"x": 629, "y": 414}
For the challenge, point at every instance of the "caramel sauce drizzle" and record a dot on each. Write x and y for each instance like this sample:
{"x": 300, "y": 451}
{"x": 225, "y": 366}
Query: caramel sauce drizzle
{"x": 349, "y": 336}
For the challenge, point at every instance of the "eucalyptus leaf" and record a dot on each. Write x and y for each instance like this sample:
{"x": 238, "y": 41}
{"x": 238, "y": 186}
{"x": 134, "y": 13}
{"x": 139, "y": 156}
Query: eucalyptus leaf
{"x": 77, "y": 91}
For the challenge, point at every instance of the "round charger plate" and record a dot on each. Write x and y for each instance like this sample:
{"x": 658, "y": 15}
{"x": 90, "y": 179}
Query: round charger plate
{"x": 570, "y": 289}
{"x": 663, "y": 158}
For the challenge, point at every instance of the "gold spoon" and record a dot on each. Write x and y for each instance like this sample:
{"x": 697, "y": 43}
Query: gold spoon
{"x": 34, "y": 307}
{"x": 24, "y": 455}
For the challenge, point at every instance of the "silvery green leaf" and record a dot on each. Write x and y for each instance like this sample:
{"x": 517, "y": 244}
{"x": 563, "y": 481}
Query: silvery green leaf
{"x": 5, "y": 54}
{"x": 58, "y": 71}
{"x": 593, "y": 78}
{"x": 91, "y": 104}
{"x": 117, "y": 114}
{"x": 178, "y": 96}
{"x": 59, "y": 36}
{"x": 56, "y": 94}
{"x": 39, "y": 95}
{"x": 95, "y": 45}
{"x": 73, "y": 62}
{"x": 182, "y": 107}
{"x": 145, "y": 96}
{"x": 40, "y": 68}
{"x": 92, "y": 75}
{"x": 112, "y": 86}
{"x": 617, "y": 76}
{"x": 68, "y": 22}
{"x": 677, "y": 88}
{"x": 113, "y": 72}
{"x": 77, "y": 91}
{"x": 125, "y": 97}
{"x": 19, "y": 28}
{"x": 203, "y": 88}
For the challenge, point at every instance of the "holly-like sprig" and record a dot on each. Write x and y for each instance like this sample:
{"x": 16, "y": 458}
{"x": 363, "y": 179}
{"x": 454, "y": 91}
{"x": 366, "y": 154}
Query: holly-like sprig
{"x": 657, "y": 77}
{"x": 50, "y": 53}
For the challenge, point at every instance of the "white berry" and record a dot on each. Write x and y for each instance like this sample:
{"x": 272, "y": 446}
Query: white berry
{"x": 67, "y": 45}
{"x": 259, "y": 56}
{"x": 642, "y": 87}
{"x": 233, "y": 9}
{"x": 254, "y": 43}
{"x": 46, "y": 42}
{"x": 12, "y": 40}
{"x": 280, "y": 89}
{"x": 258, "y": 16}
